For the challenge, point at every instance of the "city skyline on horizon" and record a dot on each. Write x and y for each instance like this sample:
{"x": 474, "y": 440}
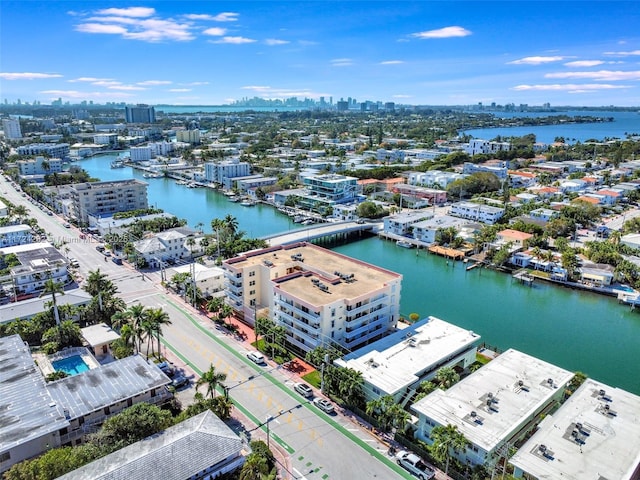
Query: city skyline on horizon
{"x": 412, "y": 53}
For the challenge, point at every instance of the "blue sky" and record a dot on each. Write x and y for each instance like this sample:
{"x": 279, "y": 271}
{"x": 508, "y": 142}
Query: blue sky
{"x": 419, "y": 52}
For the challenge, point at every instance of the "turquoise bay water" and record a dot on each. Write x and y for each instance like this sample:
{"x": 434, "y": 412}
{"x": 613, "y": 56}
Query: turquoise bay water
{"x": 575, "y": 330}
{"x": 572, "y": 329}
{"x": 70, "y": 365}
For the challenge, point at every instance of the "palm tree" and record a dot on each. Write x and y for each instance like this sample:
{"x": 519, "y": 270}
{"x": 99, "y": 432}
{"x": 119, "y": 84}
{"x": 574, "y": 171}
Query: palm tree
{"x": 212, "y": 379}
{"x": 158, "y": 317}
{"x": 447, "y": 376}
{"x": 447, "y": 440}
{"x": 51, "y": 287}
{"x": 136, "y": 315}
{"x": 350, "y": 386}
{"x": 217, "y": 225}
{"x": 99, "y": 284}
{"x": 231, "y": 224}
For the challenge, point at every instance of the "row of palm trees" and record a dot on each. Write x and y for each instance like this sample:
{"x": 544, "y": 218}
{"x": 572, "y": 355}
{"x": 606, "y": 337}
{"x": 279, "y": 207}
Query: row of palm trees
{"x": 138, "y": 324}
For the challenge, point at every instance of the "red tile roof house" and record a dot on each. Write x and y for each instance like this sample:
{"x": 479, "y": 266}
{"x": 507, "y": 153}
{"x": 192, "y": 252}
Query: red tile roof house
{"x": 519, "y": 239}
{"x": 611, "y": 196}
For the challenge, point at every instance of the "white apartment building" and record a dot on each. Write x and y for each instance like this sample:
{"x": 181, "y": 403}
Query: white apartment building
{"x": 390, "y": 156}
{"x": 188, "y": 136}
{"x": 106, "y": 139}
{"x": 210, "y": 280}
{"x": 402, "y": 223}
{"x": 595, "y": 434}
{"x": 170, "y": 245}
{"x": 500, "y": 171}
{"x": 398, "y": 363}
{"x": 219, "y": 172}
{"x": 15, "y": 235}
{"x": 319, "y": 296}
{"x": 425, "y": 231}
{"x": 39, "y": 262}
{"x": 162, "y": 149}
{"x": 11, "y": 129}
{"x": 495, "y": 406}
{"x": 61, "y": 413}
{"x": 141, "y": 154}
{"x": 476, "y": 212}
{"x": 478, "y": 146}
{"x": 106, "y": 198}
{"x": 39, "y": 166}
{"x": 433, "y": 177}
{"x": 56, "y": 150}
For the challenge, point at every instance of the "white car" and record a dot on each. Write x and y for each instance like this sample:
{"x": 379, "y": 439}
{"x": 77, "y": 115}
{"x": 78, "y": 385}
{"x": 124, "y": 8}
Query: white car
{"x": 256, "y": 357}
{"x": 415, "y": 465}
{"x": 303, "y": 389}
{"x": 325, "y": 405}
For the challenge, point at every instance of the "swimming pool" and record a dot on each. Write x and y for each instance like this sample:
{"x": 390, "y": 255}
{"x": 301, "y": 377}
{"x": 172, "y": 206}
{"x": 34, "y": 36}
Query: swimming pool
{"x": 71, "y": 365}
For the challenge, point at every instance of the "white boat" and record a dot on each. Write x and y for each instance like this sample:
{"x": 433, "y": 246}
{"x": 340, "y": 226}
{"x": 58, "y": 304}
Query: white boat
{"x": 308, "y": 221}
{"x": 117, "y": 164}
{"x": 404, "y": 244}
{"x": 153, "y": 175}
{"x": 247, "y": 203}
{"x": 298, "y": 219}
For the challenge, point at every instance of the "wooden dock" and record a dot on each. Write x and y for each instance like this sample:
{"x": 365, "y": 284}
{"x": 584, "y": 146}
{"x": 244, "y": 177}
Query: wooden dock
{"x": 524, "y": 277}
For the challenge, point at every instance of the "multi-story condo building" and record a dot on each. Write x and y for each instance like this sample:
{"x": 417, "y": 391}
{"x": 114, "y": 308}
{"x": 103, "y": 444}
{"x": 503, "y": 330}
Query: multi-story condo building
{"x": 477, "y": 146}
{"x": 110, "y": 139}
{"x": 220, "y": 172}
{"x": 319, "y": 296}
{"x": 501, "y": 171}
{"x": 56, "y": 150}
{"x": 433, "y": 177}
{"x": 476, "y": 212}
{"x": 39, "y": 166}
{"x": 161, "y": 148}
{"x": 141, "y": 154}
{"x": 140, "y": 114}
{"x": 188, "y": 136}
{"x": 323, "y": 192}
{"x": 11, "y": 129}
{"x": 496, "y": 406}
{"x": 98, "y": 199}
{"x": 402, "y": 223}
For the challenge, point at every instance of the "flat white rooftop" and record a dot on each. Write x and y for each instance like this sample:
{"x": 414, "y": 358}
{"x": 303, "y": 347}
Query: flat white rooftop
{"x": 398, "y": 360}
{"x": 491, "y": 404}
{"x": 99, "y": 334}
{"x": 585, "y": 440}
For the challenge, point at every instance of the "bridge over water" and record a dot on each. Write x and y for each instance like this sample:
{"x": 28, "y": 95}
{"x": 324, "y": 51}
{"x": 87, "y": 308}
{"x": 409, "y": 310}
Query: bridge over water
{"x": 321, "y": 231}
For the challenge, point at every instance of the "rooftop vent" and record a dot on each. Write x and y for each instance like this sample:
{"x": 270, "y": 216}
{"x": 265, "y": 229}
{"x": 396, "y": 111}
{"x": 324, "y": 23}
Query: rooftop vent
{"x": 602, "y": 393}
{"x": 550, "y": 382}
{"x": 520, "y": 383}
{"x": 473, "y": 413}
{"x": 542, "y": 448}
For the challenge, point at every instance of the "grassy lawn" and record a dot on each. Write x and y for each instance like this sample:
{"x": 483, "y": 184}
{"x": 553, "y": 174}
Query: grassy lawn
{"x": 313, "y": 378}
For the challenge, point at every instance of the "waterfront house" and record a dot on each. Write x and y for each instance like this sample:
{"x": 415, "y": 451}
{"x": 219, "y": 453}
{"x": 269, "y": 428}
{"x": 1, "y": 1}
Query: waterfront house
{"x": 402, "y": 223}
{"x": 320, "y": 297}
{"x": 517, "y": 238}
{"x": 594, "y": 434}
{"x": 397, "y": 364}
{"x": 599, "y": 275}
{"x": 476, "y": 212}
{"x": 494, "y": 407}
{"x": 201, "y": 447}
{"x": 426, "y": 230}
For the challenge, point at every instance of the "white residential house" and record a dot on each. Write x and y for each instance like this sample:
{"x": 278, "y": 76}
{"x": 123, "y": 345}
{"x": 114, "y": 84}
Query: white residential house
{"x": 398, "y": 363}
{"x": 494, "y": 407}
{"x": 476, "y": 212}
{"x": 544, "y": 214}
{"x": 210, "y": 280}
{"x": 168, "y": 246}
{"x": 39, "y": 262}
{"x": 425, "y": 231}
{"x": 479, "y": 146}
{"x": 15, "y": 235}
{"x": 499, "y": 171}
{"x": 402, "y": 223}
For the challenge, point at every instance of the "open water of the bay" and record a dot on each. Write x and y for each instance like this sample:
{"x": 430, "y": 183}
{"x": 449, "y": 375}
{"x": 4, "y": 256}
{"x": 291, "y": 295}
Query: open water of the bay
{"x": 575, "y": 330}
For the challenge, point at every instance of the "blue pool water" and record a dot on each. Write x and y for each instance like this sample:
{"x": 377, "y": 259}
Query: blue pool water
{"x": 71, "y": 365}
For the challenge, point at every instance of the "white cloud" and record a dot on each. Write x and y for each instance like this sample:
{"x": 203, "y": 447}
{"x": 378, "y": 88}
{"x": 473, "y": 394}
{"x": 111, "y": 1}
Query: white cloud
{"x": 568, "y": 87}
{"x": 193, "y": 84}
{"x": 235, "y": 40}
{"x": 535, "y": 60}
{"x": 584, "y": 63}
{"x": 99, "y": 28}
{"x": 125, "y": 87}
{"x": 226, "y": 17}
{"x": 257, "y": 88}
{"x": 446, "y": 32}
{"x": 600, "y": 75}
{"x": 274, "y": 41}
{"x": 392, "y": 62}
{"x": 215, "y": 31}
{"x": 136, "y": 23}
{"x": 341, "y": 62}
{"x": 179, "y": 89}
{"x": 630, "y": 53}
{"x": 128, "y": 12}
{"x": 90, "y": 79}
{"x": 155, "y": 82}
{"x": 399, "y": 95}
{"x": 28, "y": 75}
{"x": 106, "y": 83}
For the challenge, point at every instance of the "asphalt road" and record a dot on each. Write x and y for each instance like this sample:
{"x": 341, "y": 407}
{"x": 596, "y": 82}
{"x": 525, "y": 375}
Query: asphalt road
{"x": 320, "y": 446}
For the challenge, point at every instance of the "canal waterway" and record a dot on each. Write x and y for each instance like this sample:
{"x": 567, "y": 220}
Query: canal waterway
{"x": 572, "y": 329}
{"x": 196, "y": 205}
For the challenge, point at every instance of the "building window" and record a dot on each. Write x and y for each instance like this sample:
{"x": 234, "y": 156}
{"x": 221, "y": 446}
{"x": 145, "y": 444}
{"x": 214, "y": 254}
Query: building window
{"x": 252, "y": 274}
{"x": 5, "y": 456}
{"x": 252, "y": 292}
{"x": 252, "y": 283}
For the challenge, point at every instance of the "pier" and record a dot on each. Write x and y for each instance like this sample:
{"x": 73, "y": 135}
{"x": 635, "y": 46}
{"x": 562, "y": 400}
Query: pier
{"x": 524, "y": 277}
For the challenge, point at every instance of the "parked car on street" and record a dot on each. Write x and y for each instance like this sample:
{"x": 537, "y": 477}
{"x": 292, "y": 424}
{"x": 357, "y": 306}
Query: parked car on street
{"x": 166, "y": 368}
{"x": 415, "y": 465}
{"x": 303, "y": 389}
{"x": 325, "y": 405}
{"x": 256, "y": 357}
{"x": 179, "y": 381}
